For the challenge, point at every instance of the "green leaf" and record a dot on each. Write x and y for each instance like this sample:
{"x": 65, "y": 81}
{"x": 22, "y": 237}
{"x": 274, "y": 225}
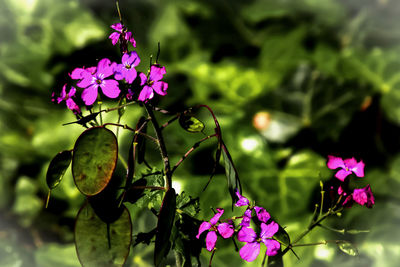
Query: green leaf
{"x": 99, "y": 244}
{"x": 57, "y": 168}
{"x": 94, "y": 160}
{"x": 164, "y": 227}
{"x": 231, "y": 174}
{"x": 282, "y": 236}
{"x": 187, "y": 204}
{"x": 348, "y": 248}
{"x": 190, "y": 123}
{"x": 82, "y": 121}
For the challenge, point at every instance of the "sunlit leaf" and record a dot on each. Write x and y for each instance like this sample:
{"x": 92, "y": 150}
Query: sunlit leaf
{"x": 121, "y": 102}
{"x": 94, "y": 160}
{"x": 190, "y": 123}
{"x": 57, "y": 168}
{"x": 187, "y": 204}
{"x": 99, "y": 244}
{"x": 348, "y": 248}
{"x": 164, "y": 227}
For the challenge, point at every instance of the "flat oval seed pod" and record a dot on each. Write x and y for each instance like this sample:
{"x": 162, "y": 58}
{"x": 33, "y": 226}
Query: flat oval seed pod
{"x": 94, "y": 160}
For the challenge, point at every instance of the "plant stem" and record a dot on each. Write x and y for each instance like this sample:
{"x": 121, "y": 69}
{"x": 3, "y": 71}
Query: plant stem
{"x": 161, "y": 145}
{"x": 196, "y": 145}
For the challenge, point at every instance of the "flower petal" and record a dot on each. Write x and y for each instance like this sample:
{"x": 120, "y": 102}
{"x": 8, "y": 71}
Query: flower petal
{"x": 250, "y": 251}
{"x": 110, "y": 88}
{"x": 146, "y": 93}
{"x": 364, "y": 196}
{"x": 203, "y": 227}
{"x": 211, "y": 239}
{"x": 358, "y": 170}
{"x": 72, "y": 92}
{"x": 89, "y": 95}
{"x": 117, "y": 26}
{"x": 225, "y": 230}
{"x": 72, "y": 106}
{"x": 129, "y": 75}
{"x": 273, "y": 247}
{"x": 143, "y": 78}
{"x": 262, "y": 214}
{"x": 216, "y": 217}
{"x": 114, "y": 37}
{"x": 350, "y": 163}
{"x": 160, "y": 87}
{"x": 246, "y": 234}
{"x": 342, "y": 174}
{"x": 268, "y": 230}
{"x": 242, "y": 200}
{"x": 335, "y": 162}
{"x": 156, "y": 73}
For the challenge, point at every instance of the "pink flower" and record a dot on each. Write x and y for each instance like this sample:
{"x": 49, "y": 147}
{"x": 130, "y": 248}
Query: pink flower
{"x": 93, "y": 80}
{"x": 250, "y": 251}
{"x": 121, "y": 33}
{"x": 68, "y": 99}
{"x": 126, "y": 70}
{"x": 153, "y": 83}
{"x": 364, "y": 196}
{"x": 242, "y": 200}
{"x": 224, "y": 229}
{"x": 348, "y": 166}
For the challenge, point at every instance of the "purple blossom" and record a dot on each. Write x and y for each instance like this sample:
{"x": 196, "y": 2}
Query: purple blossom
{"x": 364, "y": 196}
{"x": 250, "y": 251}
{"x": 126, "y": 70}
{"x": 242, "y": 200}
{"x": 262, "y": 214}
{"x": 68, "y": 99}
{"x": 246, "y": 218}
{"x": 153, "y": 83}
{"x": 92, "y": 81}
{"x": 224, "y": 229}
{"x": 78, "y": 73}
{"x": 121, "y": 30}
{"x": 347, "y": 166}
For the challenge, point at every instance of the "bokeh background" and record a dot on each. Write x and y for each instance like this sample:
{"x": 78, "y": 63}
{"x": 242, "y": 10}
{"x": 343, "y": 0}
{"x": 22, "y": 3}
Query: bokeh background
{"x": 290, "y": 81}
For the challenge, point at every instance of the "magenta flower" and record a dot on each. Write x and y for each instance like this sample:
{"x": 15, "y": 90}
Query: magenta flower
{"x": 364, "y": 196}
{"x": 121, "y": 30}
{"x": 153, "y": 83}
{"x": 242, "y": 200}
{"x": 348, "y": 166}
{"x": 126, "y": 70}
{"x": 246, "y": 218}
{"x": 68, "y": 99}
{"x": 262, "y": 214}
{"x": 78, "y": 73}
{"x": 250, "y": 251}
{"x": 92, "y": 81}
{"x": 224, "y": 229}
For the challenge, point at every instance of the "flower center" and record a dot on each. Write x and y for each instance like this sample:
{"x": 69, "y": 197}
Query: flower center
{"x": 127, "y": 66}
{"x": 98, "y": 81}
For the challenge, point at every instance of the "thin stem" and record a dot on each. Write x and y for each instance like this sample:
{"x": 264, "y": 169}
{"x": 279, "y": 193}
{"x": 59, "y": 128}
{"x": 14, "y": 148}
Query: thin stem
{"x": 119, "y": 11}
{"x": 118, "y": 107}
{"x": 211, "y": 258}
{"x": 322, "y": 198}
{"x": 101, "y": 117}
{"x": 123, "y": 161}
{"x": 170, "y": 121}
{"x": 148, "y": 187}
{"x": 155, "y": 140}
{"x": 161, "y": 145}
{"x": 196, "y": 145}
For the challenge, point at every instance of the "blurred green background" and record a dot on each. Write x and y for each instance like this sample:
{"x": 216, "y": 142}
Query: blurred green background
{"x": 290, "y": 81}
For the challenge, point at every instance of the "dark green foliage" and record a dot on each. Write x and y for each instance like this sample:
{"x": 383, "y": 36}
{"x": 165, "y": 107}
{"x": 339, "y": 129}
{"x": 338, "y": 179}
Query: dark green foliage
{"x": 101, "y": 244}
{"x": 57, "y": 168}
{"x": 190, "y": 123}
{"x": 165, "y": 222}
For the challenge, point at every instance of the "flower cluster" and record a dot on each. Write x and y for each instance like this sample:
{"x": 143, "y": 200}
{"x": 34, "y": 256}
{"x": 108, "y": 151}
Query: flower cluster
{"x": 252, "y": 238}
{"x": 362, "y": 196}
{"x": 112, "y": 77}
